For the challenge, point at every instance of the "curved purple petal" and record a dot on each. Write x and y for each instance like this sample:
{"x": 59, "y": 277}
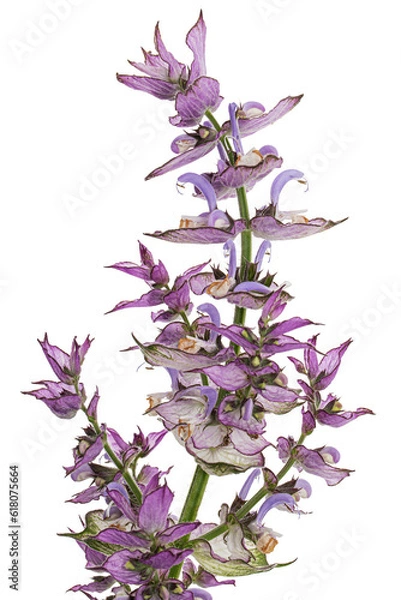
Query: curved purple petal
{"x": 100, "y": 584}
{"x": 203, "y": 185}
{"x": 120, "y": 565}
{"x": 163, "y": 90}
{"x": 246, "y": 444}
{"x": 60, "y": 398}
{"x": 163, "y": 356}
{"x": 313, "y": 462}
{"x": 153, "y": 513}
{"x": 280, "y": 181}
{"x": 252, "y": 286}
{"x": 171, "y": 534}
{"x": 276, "y": 393}
{"x": 119, "y": 496}
{"x": 243, "y": 175}
{"x": 272, "y": 502}
{"x": 249, "y": 126}
{"x": 289, "y": 325}
{"x": 91, "y": 493}
{"x": 195, "y": 40}
{"x": 58, "y": 360}
{"x": 338, "y": 419}
{"x": 191, "y": 105}
{"x": 243, "y": 493}
{"x": 152, "y": 298}
{"x": 270, "y": 228}
{"x": 167, "y": 558}
{"x": 127, "y": 539}
{"x": 200, "y": 235}
{"x": 232, "y": 109}
{"x": 175, "y": 69}
{"x": 185, "y": 158}
{"x": 329, "y": 365}
{"x": 229, "y": 377}
{"x": 264, "y": 248}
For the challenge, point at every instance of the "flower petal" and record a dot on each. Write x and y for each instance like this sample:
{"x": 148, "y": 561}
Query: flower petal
{"x": 200, "y": 235}
{"x": 247, "y": 126}
{"x": 196, "y": 38}
{"x": 163, "y": 90}
{"x": 154, "y": 510}
{"x": 313, "y": 462}
{"x": 270, "y": 228}
{"x": 338, "y": 419}
{"x": 191, "y": 105}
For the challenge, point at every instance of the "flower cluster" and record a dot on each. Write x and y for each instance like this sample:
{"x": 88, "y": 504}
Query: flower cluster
{"x": 226, "y": 378}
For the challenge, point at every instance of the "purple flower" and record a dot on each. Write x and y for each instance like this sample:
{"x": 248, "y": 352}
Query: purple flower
{"x": 330, "y": 413}
{"x": 213, "y": 227}
{"x": 221, "y": 445}
{"x": 61, "y": 398}
{"x": 189, "y": 407}
{"x": 274, "y": 340}
{"x": 241, "y": 414}
{"x": 279, "y": 499}
{"x": 155, "y": 530}
{"x": 155, "y": 274}
{"x": 317, "y": 462}
{"x": 67, "y": 367}
{"x": 89, "y": 447}
{"x": 248, "y": 294}
{"x": 241, "y": 169}
{"x": 196, "y": 230}
{"x": 166, "y": 78}
{"x": 243, "y": 493}
{"x": 320, "y": 372}
{"x": 196, "y": 145}
{"x": 99, "y": 584}
{"x": 246, "y": 172}
{"x": 199, "y": 97}
{"x": 194, "y": 357}
{"x": 272, "y": 224}
{"x": 176, "y": 298}
{"x": 308, "y": 421}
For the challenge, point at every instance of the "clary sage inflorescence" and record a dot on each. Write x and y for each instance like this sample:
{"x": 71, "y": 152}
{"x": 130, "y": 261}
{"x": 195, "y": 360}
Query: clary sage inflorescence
{"x": 227, "y": 379}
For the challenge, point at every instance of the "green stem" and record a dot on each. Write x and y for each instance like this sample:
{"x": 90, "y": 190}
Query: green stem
{"x": 195, "y": 495}
{"x": 213, "y": 121}
{"x": 133, "y": 486}
{"x": 246, "y": 235}
{"x": 191, "y": 506}
{"x": 246, "y": 252}
{"x": 187, "y": 322}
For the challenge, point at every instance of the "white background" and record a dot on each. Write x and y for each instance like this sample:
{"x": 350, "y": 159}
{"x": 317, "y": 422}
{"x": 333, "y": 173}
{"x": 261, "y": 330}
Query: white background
{"x": 63, "y": 116}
